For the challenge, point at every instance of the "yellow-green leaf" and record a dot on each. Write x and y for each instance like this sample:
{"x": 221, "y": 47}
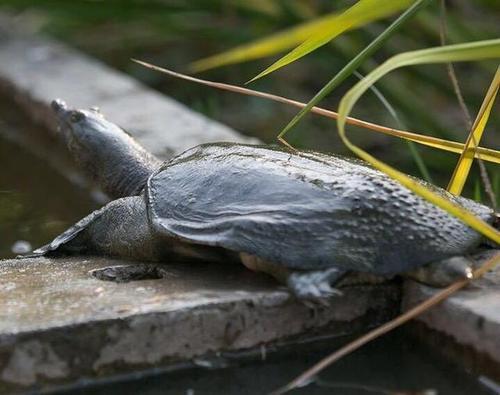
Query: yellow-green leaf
{"x": 464, "y": 164}
{"x": 453, "y": 53}
{"x": 361, "y": 13}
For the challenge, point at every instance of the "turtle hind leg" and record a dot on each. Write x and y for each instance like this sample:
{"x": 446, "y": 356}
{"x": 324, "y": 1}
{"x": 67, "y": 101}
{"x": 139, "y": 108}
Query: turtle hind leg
{"x": 306, "y": 285}
{"x": 443, "y": 273}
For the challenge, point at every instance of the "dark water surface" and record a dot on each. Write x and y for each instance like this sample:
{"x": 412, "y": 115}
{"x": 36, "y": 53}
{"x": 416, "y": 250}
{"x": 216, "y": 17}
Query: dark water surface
{"x": 36, "y": 201}
{"x": 394, "y": 364}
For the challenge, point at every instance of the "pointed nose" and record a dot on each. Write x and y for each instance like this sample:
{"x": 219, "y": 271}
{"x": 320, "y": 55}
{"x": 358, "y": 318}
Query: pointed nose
{"x": 59, "y": 107}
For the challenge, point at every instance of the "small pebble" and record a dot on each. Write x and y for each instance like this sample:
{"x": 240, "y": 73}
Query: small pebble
{"x": 21, "y": 247}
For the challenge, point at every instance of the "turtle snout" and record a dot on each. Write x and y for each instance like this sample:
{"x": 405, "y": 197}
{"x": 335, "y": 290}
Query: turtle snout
{"x": 59, "y": 106}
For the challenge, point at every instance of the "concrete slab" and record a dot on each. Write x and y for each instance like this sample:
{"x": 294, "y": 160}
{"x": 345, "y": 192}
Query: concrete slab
{"x": 471, "y": 317}
{"x": 60, "y": 323}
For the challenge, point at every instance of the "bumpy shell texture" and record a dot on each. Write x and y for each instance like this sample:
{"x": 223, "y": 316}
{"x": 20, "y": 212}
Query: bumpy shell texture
{"x": 303, "y": 210}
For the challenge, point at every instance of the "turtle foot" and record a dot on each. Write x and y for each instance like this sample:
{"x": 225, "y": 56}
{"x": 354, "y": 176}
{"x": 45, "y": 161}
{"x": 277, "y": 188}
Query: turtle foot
{"x": 315, "y": 286}
{"x": 443, "y": 273}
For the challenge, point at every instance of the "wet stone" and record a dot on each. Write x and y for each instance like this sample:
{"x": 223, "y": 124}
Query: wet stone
{"x": 67, "y": 318}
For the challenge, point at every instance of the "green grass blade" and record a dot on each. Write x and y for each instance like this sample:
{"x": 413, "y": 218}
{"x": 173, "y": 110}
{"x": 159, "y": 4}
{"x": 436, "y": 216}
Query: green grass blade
{"x": 489, "y": 49}
{"x": 354, "y": 63}
{"x": 361, "y": 13}
{"x": 477, "y": 191}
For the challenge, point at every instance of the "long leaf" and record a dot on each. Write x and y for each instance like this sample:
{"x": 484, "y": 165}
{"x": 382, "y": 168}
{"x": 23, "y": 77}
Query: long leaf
{"x": 350, "y": 67}
{"x": 453, "y": 53}
{"x": 464, "y": 164}
{"x": 363, "y": 12}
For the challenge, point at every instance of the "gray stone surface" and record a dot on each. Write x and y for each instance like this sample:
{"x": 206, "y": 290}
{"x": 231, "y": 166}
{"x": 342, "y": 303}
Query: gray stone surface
{"x": 471, "y": 317}
{"x": 60, "y": 324}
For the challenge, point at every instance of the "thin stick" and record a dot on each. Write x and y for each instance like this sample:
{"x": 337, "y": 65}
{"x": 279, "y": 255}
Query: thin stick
{"x": 387, "y": 327}
{"x": 420, "y": 138}
{"x": 465, "y": 111}
{"x": 443, "y": 28}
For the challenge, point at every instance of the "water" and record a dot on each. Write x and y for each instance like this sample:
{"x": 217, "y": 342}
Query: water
{"x": 394, "y": 364}
{"x": 36, "y": 201}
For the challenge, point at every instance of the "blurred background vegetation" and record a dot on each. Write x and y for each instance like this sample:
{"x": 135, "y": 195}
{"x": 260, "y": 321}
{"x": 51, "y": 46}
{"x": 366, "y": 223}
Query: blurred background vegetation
{"x": 174, "y": 33}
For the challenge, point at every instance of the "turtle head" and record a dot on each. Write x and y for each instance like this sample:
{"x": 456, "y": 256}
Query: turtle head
{"x": 108, "y": 154}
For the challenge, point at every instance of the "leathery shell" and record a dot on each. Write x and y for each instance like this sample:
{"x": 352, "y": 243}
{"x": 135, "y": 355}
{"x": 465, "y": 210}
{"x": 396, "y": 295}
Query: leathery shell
{"x": 304, "y": 210}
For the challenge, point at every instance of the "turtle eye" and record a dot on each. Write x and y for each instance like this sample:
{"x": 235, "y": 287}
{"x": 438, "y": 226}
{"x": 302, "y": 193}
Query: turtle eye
{"x": 77, "y": 116}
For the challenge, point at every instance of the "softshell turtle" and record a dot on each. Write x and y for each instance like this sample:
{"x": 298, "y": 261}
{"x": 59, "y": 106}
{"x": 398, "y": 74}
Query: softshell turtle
{"x": 305, "y": 217}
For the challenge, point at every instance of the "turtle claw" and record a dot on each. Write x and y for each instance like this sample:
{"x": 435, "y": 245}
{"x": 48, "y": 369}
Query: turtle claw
{"x": 314, "y": 287}
{"x": 39, "y": 252}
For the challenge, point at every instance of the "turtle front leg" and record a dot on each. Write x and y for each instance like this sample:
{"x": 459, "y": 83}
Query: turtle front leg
{"x": 119, "y": 229}
{"x": 443, "y": 273}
